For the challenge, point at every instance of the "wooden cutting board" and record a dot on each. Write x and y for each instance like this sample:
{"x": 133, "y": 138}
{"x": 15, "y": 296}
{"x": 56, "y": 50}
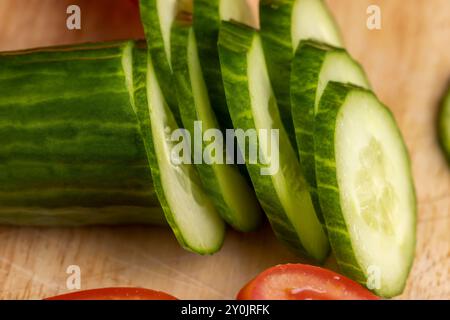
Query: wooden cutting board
{"x": 408, "y": 63}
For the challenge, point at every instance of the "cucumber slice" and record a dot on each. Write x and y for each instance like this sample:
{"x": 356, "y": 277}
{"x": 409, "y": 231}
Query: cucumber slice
{"x": 207, "y": 17}
{"x": 365, "y": 187}
{"x": 228, "y": 189}
{"x": 71, "y": 155}
{"x": 284, "y": 23}
{"x": 190, "y": 213}
{"x": 444, "y": 126}
{"x": 157, "y": 17}
{"x": 314, "y": 65}
{"x": 283, "y": 195}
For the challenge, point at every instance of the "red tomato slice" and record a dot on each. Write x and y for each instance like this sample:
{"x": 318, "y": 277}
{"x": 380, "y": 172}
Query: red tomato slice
{"x": 115, "y": 294}
{"x": 303, "y": 282}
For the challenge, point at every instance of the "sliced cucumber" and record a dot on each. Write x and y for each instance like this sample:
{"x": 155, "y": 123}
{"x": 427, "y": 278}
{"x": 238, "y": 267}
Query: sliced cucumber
{"x": 190, "y": 213}
{"x": 314, "y": 65}
{"x": 228, "y": 189}
{"x": 366, "y": 188}
{"x": 157, "y": 17}
{"x": 444, "y": 126}
{"x": 283, "y": 195}
{"x": 284, "y": 23}
{"x": 71, "y": 155}
{"x": 207, "y": 17}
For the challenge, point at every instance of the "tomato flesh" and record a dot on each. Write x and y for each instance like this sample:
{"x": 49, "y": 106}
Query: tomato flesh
{"x": 115, "y": 294}
{"x": 303, "y": 282}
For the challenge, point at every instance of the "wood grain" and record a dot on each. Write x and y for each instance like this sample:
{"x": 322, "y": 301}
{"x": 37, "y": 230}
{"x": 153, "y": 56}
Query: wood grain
{"x": 408, "y": 63}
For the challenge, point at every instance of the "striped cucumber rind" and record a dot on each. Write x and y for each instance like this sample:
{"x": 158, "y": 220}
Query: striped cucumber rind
{"x": 71, "y": 155}
{"x": 444, "y": 125}
{"x": 284, "y": 23}
{"x": 284, "y": 195}
{"x": 207, "y": 17}
{"x": 227, "y": 188}
{"x": 81, "y": 217}
{"x": 157, "y": 17}
{"x": 314, "y": 65}
{"x": 188, "y": 210}
{"x": 365, "y": 187}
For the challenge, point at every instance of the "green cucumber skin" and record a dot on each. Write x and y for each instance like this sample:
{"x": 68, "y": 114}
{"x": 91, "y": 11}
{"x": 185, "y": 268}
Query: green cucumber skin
{"x": 444, "y": 126}
{"x": 304, "y": 79}
{"x": 275, "y": 19}
{"x": 305, "y": 75}
{"x": 186, "y": 103}
{"x": 234, "y": 43}
{"x": 333, "y": 97}
{"x": 206, "y": 27}
{"x": 82, "y": 217}
{"x": 70, "y": 155}
{"x": 153, "y": 34}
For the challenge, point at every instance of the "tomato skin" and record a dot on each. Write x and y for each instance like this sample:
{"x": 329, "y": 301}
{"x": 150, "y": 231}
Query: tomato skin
{"x": 115, "y": 294}
{"x": 303, "y": 282}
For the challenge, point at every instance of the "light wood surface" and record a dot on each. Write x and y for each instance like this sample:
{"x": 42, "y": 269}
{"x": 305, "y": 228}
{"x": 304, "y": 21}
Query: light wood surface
{"x": 408, "y": 63}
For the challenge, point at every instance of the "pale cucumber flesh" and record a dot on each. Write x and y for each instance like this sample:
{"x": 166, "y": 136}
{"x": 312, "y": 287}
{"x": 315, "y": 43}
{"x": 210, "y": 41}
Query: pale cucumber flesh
{"x": 167, "y": 10}
{"x": 311, "y": 20}
{"x": 338, "y": 66}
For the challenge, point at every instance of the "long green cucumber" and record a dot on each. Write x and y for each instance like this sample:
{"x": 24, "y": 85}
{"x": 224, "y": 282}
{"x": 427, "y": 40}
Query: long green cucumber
{"x": 188, "y": 210}
{"x": 314, "y": 65}
{"x": 157, "y": 17}
{"x": 444, "y": 125}
{"x": 207, "y": 17}
{"x": 284, "y": 23}
{"x": 284, "y": 194}
{"x": 366, "y": 188}
{"x": 228, "y": 189}
{"x": 71, "y": 152}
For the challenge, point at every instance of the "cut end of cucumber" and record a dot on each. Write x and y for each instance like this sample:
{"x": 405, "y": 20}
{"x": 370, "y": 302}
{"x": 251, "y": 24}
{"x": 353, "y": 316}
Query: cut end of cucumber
{"x": 376, "y": 190}
{"x": 311, "y": 19}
